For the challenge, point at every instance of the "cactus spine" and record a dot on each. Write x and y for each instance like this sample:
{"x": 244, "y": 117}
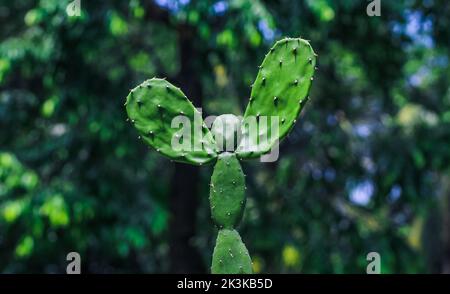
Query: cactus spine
{"x": 280, "y": 91}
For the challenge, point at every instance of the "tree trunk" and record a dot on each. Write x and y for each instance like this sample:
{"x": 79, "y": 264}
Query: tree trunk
{"x": 183, "y": 202}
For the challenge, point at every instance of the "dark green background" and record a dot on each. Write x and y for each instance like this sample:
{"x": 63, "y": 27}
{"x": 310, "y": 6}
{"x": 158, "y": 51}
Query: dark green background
{"x": 366, "y": 167}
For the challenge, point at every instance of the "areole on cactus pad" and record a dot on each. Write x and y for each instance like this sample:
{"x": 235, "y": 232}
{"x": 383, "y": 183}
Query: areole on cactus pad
{"x": 279, "y": 93}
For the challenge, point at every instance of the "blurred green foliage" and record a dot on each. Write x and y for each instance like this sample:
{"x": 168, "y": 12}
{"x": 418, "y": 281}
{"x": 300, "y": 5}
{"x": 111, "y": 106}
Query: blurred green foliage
{"x": 365, "y": 169}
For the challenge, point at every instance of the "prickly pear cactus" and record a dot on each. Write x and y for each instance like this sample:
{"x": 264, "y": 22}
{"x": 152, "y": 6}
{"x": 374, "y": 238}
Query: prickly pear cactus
{"x": 157, "y": 108}
{"x": 279, "y": 92}
{"x": 227, "y": 191}
{"x": 152, "y": 107}
{"x": 230, "y": 254}
{"x": 227, "y": 198}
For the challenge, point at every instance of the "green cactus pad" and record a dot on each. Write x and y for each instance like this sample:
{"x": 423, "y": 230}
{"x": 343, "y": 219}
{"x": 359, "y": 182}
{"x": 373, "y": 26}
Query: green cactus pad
{"x": 227, "y": 191}
{"x": 151, "y": 108}
{"x": 230, "y": 254}
{"x": 280, "y": 89}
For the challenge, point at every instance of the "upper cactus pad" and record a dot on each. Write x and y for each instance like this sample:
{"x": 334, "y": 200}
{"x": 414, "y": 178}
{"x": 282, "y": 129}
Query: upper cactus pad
{"x": 280, "y": 89}
{"x": 151, "y": 108}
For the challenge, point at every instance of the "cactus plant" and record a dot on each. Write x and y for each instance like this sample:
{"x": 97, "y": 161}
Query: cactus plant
{"x": 280, "y": 91}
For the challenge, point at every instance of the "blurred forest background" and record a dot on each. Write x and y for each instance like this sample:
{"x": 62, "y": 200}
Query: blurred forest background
{"x": 366, "y": 168}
